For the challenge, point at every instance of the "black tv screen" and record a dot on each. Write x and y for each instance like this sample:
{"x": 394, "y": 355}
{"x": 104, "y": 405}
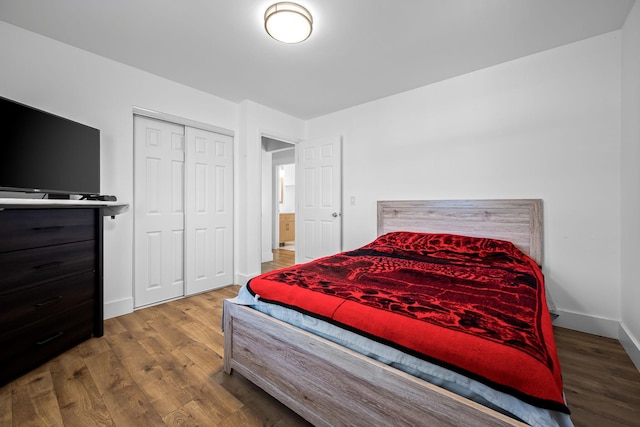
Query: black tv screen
{"x": 44, "y": 153}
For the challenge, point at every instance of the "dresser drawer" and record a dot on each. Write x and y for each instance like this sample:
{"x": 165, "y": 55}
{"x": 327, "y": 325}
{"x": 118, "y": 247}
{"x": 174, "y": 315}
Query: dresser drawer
{"x": 32, "y": 228}
{"x": 31, "y": 267}
{"x": 18, "y": 309}
{"x": 24, "y": 348}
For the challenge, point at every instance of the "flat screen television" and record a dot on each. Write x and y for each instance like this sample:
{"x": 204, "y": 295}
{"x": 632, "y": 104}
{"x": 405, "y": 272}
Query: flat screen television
{"x": 44, "y": 153}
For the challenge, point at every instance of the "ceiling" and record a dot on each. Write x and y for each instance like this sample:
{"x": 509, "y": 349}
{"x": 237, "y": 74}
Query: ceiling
{"x": 359, "y": 51}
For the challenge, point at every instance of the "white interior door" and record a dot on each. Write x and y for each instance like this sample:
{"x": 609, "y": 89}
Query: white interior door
{"x": 209, "y": 225}
{"x": 319, "y": 198}
{"x": 159, "y": 154}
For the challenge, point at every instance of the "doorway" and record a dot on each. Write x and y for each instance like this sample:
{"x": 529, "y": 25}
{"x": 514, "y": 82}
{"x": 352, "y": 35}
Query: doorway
{"x": 285, "y": 209}
{"x": 278, "y": 202}
{"x": 318, "y": 196}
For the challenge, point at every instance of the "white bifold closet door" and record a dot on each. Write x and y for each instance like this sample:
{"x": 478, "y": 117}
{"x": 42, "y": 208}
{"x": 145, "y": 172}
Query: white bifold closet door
{"x": 183, "y": 241}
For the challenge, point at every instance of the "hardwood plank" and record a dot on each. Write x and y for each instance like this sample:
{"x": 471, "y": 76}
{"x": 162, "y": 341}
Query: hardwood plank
{"x": 246, "y": 418}
{"x": 281, "y": 258}
{"x": 34, "y": 400}
{"x": 170, "y": 330}
{"x": 5, "y": 405}
{"x": 191, "y": 414}
{"x": 218, "y": 296}
{"x": 203, "y": 356}
{"x": 211, "y": 397}
{"x": 163, "y": 392}
{"x": 201, "y": 333}
{"x": 125, "y": 400}
{"x": 129, "y": 352}
{"x": 208, "y": 317}
{"x": 92, "y": 346}
{"x": 602, "y": 385}
{"x": 113, "y": 326}
{"x": 171, "y": 310}
{"x": 171, "y": 358}
{"x": 80, "y": 402}
{"x": 136, "y": 325}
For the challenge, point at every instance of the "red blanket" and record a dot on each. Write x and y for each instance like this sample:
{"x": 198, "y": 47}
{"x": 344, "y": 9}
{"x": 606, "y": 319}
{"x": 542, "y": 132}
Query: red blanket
{"x": 473, "y": 305}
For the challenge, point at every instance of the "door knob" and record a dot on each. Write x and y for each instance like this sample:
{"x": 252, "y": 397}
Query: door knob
{"x": 335, "y": 214}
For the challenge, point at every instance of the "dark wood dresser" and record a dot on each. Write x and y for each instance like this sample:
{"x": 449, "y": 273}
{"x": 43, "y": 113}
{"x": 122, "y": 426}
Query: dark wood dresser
{"x": 51, "y": 283}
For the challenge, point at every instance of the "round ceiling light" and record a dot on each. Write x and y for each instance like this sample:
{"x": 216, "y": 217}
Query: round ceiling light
{"x": 288, "y": 22}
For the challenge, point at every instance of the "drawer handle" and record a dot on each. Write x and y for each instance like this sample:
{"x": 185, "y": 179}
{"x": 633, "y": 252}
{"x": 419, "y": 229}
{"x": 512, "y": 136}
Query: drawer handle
{"x": 48, "y": 302}
{"x": 51, "y": 338}
{"x": 48, "y": 265}
{"x": 49, "y": 228}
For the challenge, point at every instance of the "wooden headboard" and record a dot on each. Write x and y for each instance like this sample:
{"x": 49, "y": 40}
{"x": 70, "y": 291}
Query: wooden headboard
{"x": 516, "y": 220}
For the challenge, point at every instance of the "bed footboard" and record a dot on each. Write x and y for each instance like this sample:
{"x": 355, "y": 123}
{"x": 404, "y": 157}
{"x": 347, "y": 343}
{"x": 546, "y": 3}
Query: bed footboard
{"x": 330, "y": 385}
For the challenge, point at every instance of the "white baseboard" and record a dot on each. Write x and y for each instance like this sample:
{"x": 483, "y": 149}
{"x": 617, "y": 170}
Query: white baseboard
{"x": 603, "y": 327}
{"x": 118, "y": 308}
{"x": 589, "y": 324}
{"x": 631, "y": 346}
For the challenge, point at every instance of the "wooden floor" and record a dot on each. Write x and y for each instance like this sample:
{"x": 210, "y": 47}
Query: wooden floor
{"x": 162, "y": 366}
{"x": 281, "y": 258}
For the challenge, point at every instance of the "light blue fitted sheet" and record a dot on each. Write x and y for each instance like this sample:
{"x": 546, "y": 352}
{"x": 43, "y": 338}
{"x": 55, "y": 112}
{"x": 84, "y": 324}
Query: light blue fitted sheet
{"x": 430, "y": 372}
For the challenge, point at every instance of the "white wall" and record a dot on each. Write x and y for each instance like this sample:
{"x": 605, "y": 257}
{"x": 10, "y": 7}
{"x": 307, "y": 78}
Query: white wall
{"x": 288, "y": 204}
{"x": 268, "y": 198}
{"x": 545, "y": 126}
{"x": 630, "y": 215}
{"x": 256, "y": 121}
{"x": 55, "y": 77}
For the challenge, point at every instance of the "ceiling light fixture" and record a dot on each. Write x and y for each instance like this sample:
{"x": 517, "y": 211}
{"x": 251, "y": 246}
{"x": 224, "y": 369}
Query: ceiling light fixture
{"x": 288, "y": 22}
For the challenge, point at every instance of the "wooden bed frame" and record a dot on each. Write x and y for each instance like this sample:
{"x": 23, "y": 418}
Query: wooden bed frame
{"x": 330, "y": 385}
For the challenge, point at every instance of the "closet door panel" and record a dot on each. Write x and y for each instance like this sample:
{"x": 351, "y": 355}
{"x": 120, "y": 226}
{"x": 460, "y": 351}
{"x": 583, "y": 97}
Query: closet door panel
{"x": 223, "y": 210}
{"x": 159, "y": 210}
{"x": 208, "y": 202}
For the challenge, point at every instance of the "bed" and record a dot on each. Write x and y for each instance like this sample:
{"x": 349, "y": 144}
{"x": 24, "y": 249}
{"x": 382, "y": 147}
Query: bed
{"x": 328, "y": 382}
